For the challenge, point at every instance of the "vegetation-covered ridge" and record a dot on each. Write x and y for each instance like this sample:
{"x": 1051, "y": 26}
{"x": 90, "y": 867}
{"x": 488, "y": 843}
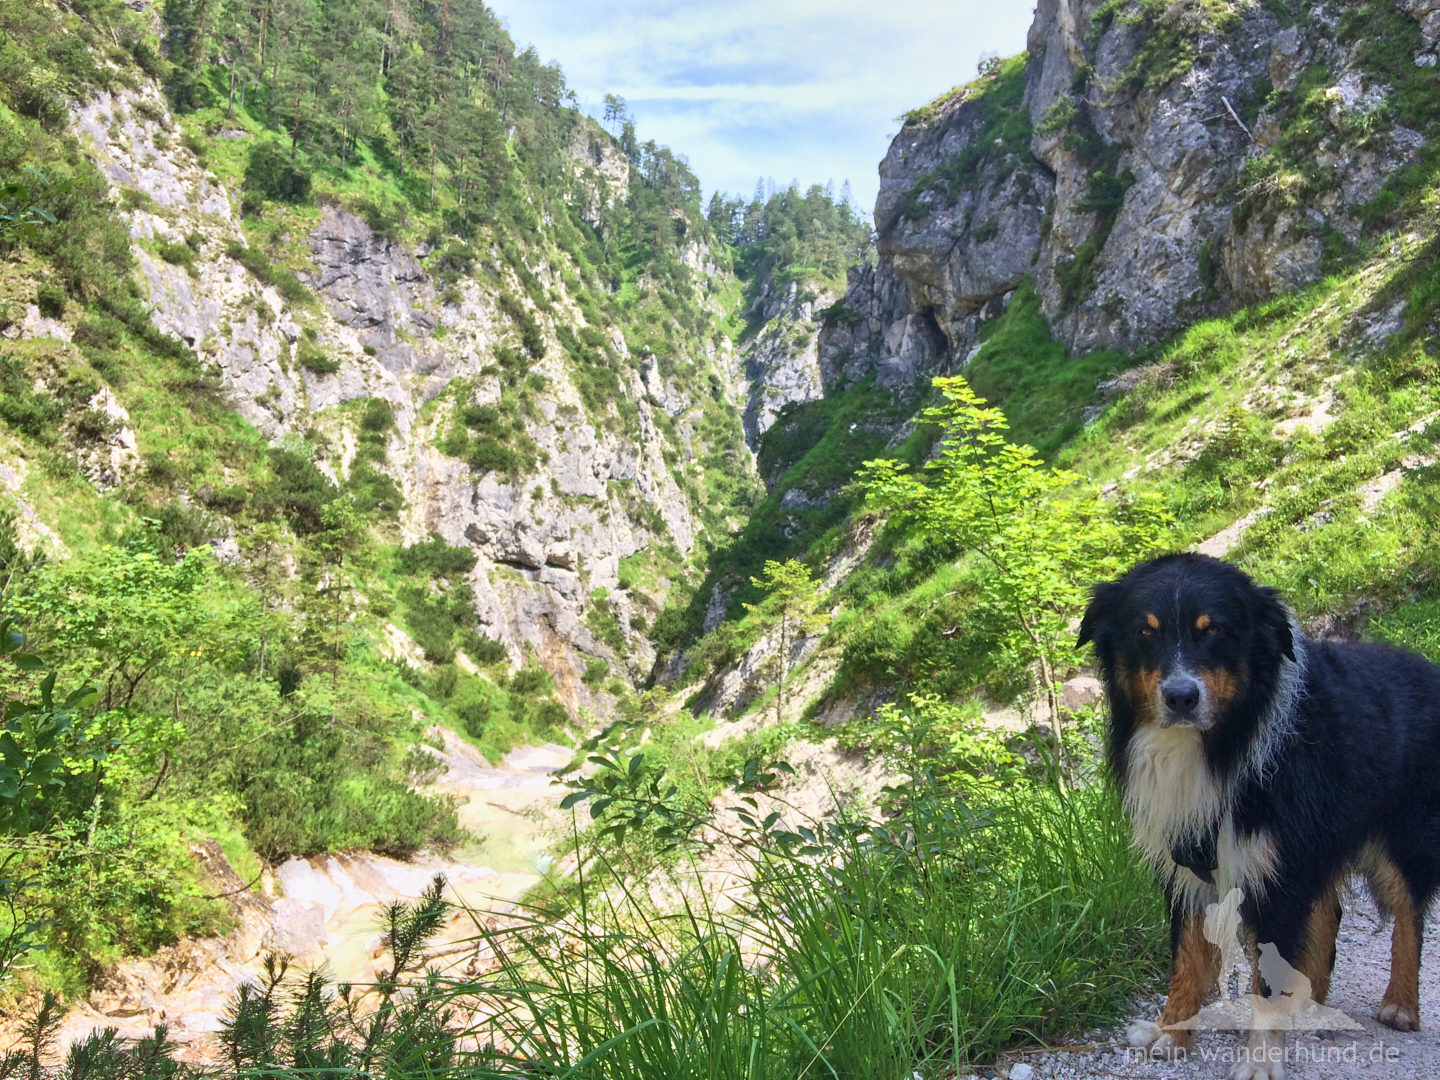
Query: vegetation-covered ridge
{"x": 259, "y": 698}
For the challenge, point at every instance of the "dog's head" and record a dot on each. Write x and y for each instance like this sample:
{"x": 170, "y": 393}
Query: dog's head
{"x": 1184, "y": 639}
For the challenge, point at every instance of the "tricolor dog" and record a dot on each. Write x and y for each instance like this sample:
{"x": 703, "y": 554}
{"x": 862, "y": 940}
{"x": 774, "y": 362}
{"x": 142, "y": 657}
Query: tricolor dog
{"x": 1252, "y": 757}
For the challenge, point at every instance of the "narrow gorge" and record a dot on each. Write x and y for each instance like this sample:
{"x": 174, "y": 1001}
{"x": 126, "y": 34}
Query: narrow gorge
{"x": 369, "y": 448}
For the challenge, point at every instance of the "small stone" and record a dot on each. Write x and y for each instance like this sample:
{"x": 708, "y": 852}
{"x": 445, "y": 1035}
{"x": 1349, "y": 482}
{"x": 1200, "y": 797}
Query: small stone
{"x": 1022, "y": 1071}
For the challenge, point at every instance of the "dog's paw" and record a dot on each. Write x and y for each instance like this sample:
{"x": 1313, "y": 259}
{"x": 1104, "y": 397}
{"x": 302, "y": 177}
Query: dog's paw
{"x": 1256, "y": 1070}
{"x": 1398, "y": 1017}
{"x": 1151, "y": 1037}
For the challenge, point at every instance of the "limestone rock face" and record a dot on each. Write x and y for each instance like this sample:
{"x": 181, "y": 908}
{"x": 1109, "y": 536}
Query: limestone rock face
{"x": 782, "y": 364}
{"x": 546, "y": 540}
{"x": 1171, "y": 231}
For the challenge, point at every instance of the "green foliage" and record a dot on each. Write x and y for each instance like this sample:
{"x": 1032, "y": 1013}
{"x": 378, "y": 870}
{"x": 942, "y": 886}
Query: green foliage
{"x": 1026, "y": 372}
{"x": 284, "y": 282}
{"x": 1171, "y": 33}
{"x": 434, "y": 618}
{"x": 22, "y": 210}
{"x": 271, "y": 173}
{"x": 1058, "y": 117}
{"x": 321, "y": 783}
{"x": 315, "y": 360}
{"x": 435, "y": 558}
{"x": 792, "y": 609}
{"x": 181, "y": 255}
{"x": 299, "y": 491}
{"x": 791, "y": 237}
{"x": 329, "y": 595}
{"x": 24, "y": 408}
{"x": 1044, "y": 535}
{"x": 1002, "y": 135}
{"x": 923, "y": 943}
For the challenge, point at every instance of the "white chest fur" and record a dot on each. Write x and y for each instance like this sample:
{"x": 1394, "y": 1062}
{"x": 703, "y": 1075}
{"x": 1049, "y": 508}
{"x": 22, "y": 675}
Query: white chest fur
{"x": 1171, "y": 796}
{"x": 1169, "y": 791}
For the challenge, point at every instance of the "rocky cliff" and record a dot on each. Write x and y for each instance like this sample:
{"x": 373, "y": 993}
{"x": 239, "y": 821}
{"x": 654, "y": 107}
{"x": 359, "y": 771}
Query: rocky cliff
{"x": 439, "y": 333}
{"x": 1146, "y": 165}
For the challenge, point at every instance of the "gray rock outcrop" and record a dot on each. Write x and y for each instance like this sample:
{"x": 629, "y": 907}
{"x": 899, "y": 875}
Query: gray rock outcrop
{"x": 547, "y": 539}
{"x": 1137, "y": 197}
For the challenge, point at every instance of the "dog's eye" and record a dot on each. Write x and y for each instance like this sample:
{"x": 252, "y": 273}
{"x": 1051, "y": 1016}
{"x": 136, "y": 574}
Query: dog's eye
{"x": 1146, "y": 631}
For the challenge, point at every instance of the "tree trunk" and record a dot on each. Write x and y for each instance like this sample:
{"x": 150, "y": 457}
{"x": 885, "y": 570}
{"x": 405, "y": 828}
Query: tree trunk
{"x": 335, "y": 654}
{"x": 230, "y": 112}
{"x": 385, "y": 44}
{"x": 1057, "y": 725}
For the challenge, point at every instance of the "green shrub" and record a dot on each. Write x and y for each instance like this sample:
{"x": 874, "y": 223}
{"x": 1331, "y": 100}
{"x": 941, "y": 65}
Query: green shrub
{"x": 34, "y": 414}
{"x": 308, "y": 791}
{"x": 443, "y": 682}
{"x": 270, "y": 173}
{"x": 317, "y": 362}
{"x": 378, "y": 416}
{"x": 474, "y": 715}
{"x": 436, "y": 559}
{"x": 181, "y": 255}
{"x": 299, "y": 491}
{"x": 50, "y": 299}
{"x": 531, "y": 682}
{"x": 482, "y": 650}
{"x": 282, "y": 280}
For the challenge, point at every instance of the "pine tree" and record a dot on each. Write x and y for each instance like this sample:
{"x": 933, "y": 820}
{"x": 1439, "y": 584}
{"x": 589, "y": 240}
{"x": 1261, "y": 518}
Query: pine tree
{"x": 791, "y": 606}
{"x": 329, "y": 599}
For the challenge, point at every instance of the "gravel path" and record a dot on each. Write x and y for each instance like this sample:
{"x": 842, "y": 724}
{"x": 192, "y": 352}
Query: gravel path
{"x": 1362, "y": 970}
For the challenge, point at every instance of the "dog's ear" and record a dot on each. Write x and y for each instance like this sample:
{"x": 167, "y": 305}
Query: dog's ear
{"x": 1103, "y": 600}
{"x": 1275, "y": 617}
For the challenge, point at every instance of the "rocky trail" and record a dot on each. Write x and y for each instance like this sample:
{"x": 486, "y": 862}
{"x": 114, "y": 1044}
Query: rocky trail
{"x": 1362, "y": 969}
{"x": 325, "y": 910}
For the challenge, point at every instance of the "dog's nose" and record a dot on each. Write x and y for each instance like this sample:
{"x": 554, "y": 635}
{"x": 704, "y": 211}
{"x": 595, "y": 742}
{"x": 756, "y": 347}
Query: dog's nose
{"x": 1181, "y": 694}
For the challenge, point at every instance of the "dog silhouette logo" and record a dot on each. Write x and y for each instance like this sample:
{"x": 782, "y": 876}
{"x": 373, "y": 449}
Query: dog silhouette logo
{"x": 1290, "y": 1006}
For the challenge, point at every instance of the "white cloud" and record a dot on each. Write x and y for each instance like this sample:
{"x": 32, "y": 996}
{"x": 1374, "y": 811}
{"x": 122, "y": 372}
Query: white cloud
{"x": 794, "y": 89}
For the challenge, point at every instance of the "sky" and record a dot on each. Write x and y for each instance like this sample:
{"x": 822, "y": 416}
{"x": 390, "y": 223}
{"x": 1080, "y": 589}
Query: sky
{"x": 805, "y": 90}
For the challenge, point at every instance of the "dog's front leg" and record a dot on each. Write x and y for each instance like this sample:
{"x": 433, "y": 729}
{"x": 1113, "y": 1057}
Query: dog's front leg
{"x": 1281, "y": 990}
{"x": 1194, "y": 970}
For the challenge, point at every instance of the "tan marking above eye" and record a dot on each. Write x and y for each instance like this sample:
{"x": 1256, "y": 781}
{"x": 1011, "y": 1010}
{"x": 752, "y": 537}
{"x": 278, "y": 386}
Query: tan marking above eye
{"x": 1152, "y": 622}
{"x": 1203, "y": 622}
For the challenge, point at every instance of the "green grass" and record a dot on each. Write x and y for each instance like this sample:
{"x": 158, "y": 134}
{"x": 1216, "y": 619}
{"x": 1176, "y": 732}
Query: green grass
{"x": 990, "y": 927}
{"x": 1029, "y": 374}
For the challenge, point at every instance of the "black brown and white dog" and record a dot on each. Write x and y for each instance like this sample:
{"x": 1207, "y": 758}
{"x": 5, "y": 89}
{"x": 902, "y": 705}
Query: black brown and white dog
{"x": 1252, "y": 757}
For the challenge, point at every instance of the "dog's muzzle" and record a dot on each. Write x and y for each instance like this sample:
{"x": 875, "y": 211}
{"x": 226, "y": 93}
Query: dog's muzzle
{"x": 1183, "y": 699}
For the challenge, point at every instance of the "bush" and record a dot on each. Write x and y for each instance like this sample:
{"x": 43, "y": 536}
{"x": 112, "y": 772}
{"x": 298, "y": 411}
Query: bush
{"x": 486, "y": 456}
{"x": 270, "y": 173}
{"x": 474, "y": 715}
{"x": 483, "y": 650}
{"x": 36, "y": 415}
{"x": 531, "y": 682}
{"x": 435, "y": 558}
{"x": 284, "y": 282}
{"x": 50, "y": 299}
{"x": 444, "y": 681}
{"x": 433, "y": 620}
{"x": 299, "y": 490}
{"x": 596, "y": 671}
{"x": 378, "y": 417}
{"x": 182, "y": 255}
{"x": 318, "y": 363}
{"x": 310, "y": 790}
